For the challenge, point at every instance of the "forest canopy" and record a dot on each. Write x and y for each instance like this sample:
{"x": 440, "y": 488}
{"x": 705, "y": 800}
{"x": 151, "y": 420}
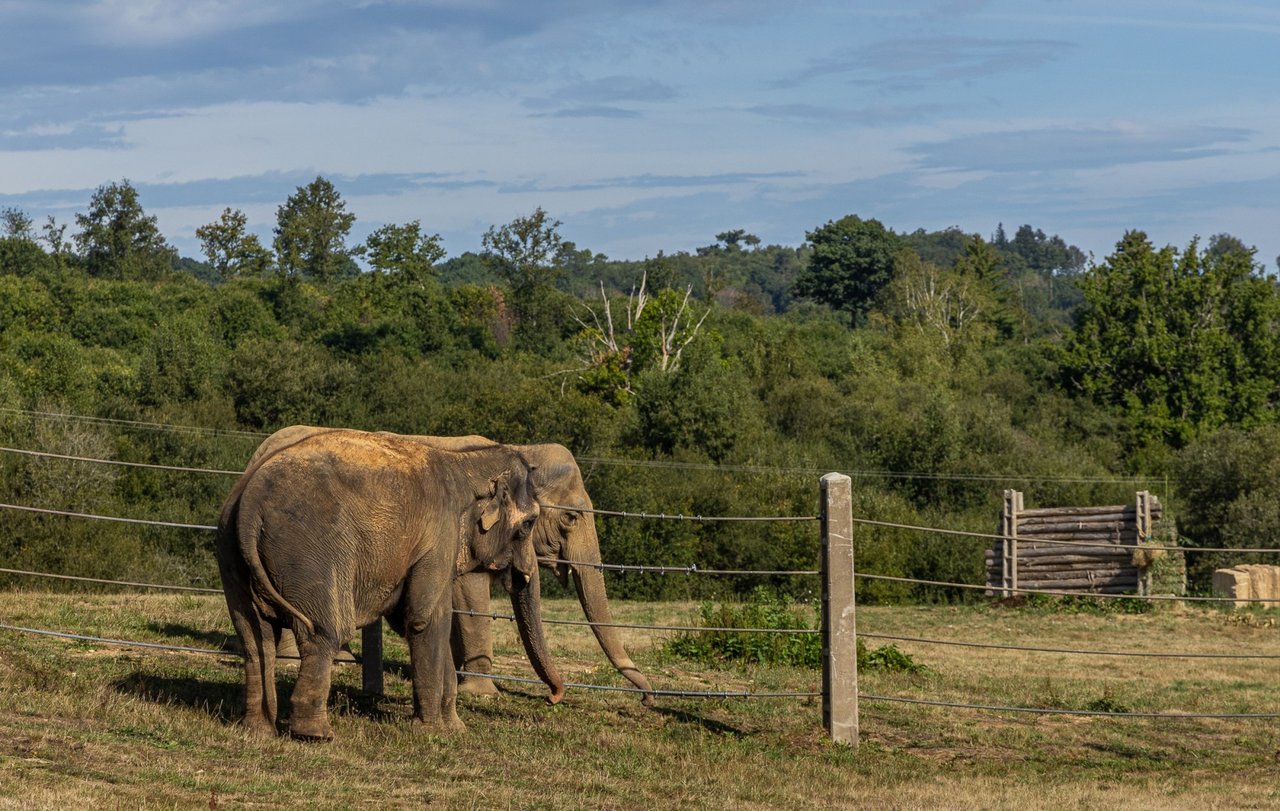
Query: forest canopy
{"x": 938, "y": 368}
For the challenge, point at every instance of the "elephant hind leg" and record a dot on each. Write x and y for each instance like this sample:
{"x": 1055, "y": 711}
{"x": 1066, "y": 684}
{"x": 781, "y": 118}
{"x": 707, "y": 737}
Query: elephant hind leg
{"x": 309, "y": 719}
{"x": 258, "y": 638}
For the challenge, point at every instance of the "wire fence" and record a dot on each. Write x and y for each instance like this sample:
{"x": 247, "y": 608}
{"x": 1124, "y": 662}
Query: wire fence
{"x": 691, "y": 569}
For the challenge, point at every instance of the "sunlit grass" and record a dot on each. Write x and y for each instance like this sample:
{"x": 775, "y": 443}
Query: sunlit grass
{"x": 88, "y": 723}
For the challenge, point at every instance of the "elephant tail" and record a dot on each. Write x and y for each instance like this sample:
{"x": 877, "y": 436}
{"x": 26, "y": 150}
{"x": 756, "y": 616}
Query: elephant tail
{"x": 250, "y": 527}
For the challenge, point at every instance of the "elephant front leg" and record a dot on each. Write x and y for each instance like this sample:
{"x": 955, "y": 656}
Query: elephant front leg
{"x": 310, "y": 716}
{"x": 472, "y": 639}
{"x": 435, "y": 686}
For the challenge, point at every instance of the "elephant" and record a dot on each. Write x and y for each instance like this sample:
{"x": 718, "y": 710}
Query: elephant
{"x": 558, "y": 535}
{"x": 330, "y": 531}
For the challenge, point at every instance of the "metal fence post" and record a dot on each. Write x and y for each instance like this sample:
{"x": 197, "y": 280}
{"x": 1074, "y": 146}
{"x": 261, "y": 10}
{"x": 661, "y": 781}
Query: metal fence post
{"x": 371, "y": 657}
{"x": 839, "y": 630}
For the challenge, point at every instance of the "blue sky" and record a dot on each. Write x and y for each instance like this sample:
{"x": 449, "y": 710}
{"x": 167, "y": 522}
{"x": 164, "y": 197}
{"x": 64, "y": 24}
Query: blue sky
{"x": 647, "y": 126}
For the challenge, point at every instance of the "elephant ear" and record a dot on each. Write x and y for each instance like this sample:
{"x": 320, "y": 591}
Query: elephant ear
{"x": 492, "y": 507}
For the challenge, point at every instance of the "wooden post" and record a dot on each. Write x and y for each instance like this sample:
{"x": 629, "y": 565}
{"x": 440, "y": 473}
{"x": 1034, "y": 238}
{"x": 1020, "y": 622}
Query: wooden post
{"x": 840, "y": 635}
{"x": 371, "y": 657}
{"x": 1144, "y": 534}
{"x": 1013, "y": 542}
{"x": 1006, "y": 532}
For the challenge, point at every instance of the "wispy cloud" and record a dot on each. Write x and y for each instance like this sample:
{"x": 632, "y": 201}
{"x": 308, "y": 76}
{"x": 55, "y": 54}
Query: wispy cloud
{"x": 594, "y": 111}
{"x": 864, "y": 116}
{"x": 614, "y": 89}
{"x": 269, "y": 187}
{"x": 932, "y": 59}
{"x": 1055, "y": 148}
{"x": 652, "y": 181}
{"x": 83, "y": 136}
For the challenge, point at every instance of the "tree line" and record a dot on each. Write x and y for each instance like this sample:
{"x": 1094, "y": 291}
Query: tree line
{"x": 937, "y": 367}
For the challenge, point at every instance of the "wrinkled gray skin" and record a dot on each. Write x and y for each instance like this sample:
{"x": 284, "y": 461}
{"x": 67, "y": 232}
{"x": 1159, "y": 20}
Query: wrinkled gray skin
{"x": 558, "y": 534}
{"x": 325, "y": 533}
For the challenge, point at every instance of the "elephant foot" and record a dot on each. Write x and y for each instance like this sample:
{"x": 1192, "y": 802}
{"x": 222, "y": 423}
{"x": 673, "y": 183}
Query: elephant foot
{"x": 258, "y": 725}
{"x": 438, "y": 726}
{"x": 480, "y": 688}
{"x": 311, "y": 729}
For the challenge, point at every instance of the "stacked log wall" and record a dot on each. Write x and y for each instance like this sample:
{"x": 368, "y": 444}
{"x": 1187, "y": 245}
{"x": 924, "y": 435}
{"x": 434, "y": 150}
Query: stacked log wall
{"x": 1073, "y": 549}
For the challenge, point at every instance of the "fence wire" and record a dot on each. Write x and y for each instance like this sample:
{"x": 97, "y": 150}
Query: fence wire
{"x": 157, "y": 426}
{"x": 146, "y": 465}
{"x": 683, "y": 517}
{"x": 101, "y": 581}
{"x": 690, "y": 569}
{"x": 142, "y": 521}
{"x": 1063, "y": 711}
{"x": 1054, "y": 593}
{"x": 684, "y": 628}
{"x": 995, "y": 536}
{"x": 1074, "y": 651}
{"x": 669, "y": 693}
{"x": 132, "y": 643}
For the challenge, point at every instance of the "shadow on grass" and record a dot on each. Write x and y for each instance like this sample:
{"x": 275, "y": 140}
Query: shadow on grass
{"x": 212, "y": 639}
{"x": 709, "y": 724}
{"x": 225, "y": 701}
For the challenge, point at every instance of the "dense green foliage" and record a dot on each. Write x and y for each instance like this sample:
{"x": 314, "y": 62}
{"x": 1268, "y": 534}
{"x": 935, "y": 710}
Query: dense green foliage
{"x": 764, "y": 611}
{"x": 1230, "y": 485}
{"x": 719, "y": 382}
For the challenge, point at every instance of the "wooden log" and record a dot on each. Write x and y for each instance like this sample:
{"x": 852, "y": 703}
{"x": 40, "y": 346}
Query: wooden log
{"x": 1077, "y": 526}
{"x": 993, "y": 590}
{"x": 1081, "y": 565}
{"x": 1127, "y": 512}
{"x": 1080, "y": 561}
{"x": 1030, "y": 575}
{"x": 1130, "y": 517}
{"x": 1121, "y": 589}
{"x": 1100, "y": 552}
{"x": 1090, "y": 538}
{"x": 1088, "y": 549}
{"x": 1038, "y": 564}
{"x": 1072, "y": 582}
{"x": 1040, "y": 512}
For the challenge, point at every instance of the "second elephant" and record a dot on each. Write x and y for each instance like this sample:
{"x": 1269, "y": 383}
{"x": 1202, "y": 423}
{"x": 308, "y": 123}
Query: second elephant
{"x": 565, "y": 541}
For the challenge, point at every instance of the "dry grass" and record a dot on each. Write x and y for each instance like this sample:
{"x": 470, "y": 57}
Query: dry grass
{"x": 85, "y": 724}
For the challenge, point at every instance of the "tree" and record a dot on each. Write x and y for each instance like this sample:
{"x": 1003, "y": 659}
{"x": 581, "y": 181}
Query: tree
{"x": 654, "y": 336}
{"x": 117, "y": 240}
{"x": 311, "y": 232}
{"x": 735, "y": 236}
{"x": 852, "y": 259}
{"x": 231, "y": 250}
{"x": 16, "y": 224}
{"x": 404, "y": 250}
{"x": 1228, "y": 485}
{"x": 54, "y": 235}
{"x": 528, "y": 253}
{"x": 1181, "y": 344}
{"x": 952, "y": 307}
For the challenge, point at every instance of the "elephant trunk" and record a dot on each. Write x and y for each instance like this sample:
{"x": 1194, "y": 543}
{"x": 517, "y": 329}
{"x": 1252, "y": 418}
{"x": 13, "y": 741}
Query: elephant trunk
{"x": 590, "y": 583}
{"x": 526, "y": 600}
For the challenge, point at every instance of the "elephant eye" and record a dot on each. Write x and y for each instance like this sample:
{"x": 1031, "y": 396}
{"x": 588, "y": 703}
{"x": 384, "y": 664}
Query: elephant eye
{"x": 527, "y": 524}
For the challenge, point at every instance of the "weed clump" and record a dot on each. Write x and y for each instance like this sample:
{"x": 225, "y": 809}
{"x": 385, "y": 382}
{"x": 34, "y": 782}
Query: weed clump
{"x": 737, "y": 633}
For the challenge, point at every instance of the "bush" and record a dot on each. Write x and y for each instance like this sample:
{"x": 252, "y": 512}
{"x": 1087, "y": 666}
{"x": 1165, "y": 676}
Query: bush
{"x": 764, "y": 610}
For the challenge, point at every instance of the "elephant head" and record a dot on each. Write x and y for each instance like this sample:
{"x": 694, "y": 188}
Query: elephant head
{"x": 501, "y": 539}
{"x": 566, "y": 533}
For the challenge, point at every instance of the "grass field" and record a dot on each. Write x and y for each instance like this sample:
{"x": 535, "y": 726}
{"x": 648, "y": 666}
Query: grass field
{"x": 126, "y": 727}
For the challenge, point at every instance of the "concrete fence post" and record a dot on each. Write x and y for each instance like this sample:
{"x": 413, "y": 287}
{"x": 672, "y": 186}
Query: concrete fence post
{"x": 371, "y": 657}
{"x": 839, "y": 629}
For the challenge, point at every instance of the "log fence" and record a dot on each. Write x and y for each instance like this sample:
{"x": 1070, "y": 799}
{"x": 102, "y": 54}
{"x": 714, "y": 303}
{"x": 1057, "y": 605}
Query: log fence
{"x": 1073, "y": 549}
